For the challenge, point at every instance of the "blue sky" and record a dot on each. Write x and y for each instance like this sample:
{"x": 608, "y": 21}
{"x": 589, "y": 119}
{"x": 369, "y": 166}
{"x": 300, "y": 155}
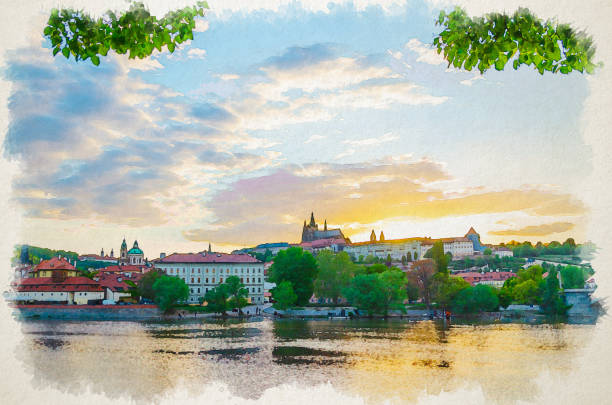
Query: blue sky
{"x": 267, "y": 115}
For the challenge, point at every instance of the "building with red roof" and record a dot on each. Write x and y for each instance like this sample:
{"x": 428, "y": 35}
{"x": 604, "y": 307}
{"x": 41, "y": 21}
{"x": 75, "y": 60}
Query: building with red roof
{"x": 492, "y": 278}
{"x": 115, "y": 285}
{"x": 70, "y": 290}
{"x": 58, "y": 267}
{"x": 205, "y": 270}
{"x": 125, "y": 269}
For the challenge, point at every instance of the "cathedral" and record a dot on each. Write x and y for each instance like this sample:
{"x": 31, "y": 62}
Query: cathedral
{"x": 311, "y": 231}
{"x": 134, "y": 256}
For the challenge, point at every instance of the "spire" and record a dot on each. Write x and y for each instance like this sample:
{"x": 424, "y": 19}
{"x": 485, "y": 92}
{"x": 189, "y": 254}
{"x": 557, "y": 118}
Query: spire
{"x": 471, "y": 232}
{"x": 382, "y": 236}
{"x": 112, "y": 253}
{"x": 102, "y": 252}
{"x": 373, "y": 236}
{"x": 325, "y": 226}
{"x": 209, "y": 248}
{"x": 312, "y": 221}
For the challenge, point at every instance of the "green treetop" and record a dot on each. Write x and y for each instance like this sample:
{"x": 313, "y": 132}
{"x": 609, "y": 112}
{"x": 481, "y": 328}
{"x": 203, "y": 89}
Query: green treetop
{"x": 299, "y": 268}
{"x": 284, "y": 296}
{"x": 335, "y": 273}
{"x": 135, "y": 31}
{"x": 168, "y": 291}
{"x": 524, "y": 39}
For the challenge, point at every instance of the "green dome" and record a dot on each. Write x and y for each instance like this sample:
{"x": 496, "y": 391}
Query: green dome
{"x": 135, "y": 251}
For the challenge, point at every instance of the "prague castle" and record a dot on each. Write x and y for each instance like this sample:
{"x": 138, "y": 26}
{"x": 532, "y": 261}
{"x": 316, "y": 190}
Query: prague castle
{"x": 311, "y": 231}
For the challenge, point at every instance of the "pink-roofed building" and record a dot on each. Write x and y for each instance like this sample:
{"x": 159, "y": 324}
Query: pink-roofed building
{"x": 334, "y": 244}
{"x": 205, "y": 270}
{"x": 115, "y": 286}
{"x": 492, "y": 278}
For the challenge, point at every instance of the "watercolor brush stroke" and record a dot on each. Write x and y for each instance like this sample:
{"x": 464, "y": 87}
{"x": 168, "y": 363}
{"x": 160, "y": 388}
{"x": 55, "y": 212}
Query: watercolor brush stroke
{"x": 304, "y": 201}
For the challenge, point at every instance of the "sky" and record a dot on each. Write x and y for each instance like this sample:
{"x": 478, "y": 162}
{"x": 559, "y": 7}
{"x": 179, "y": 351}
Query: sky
{"x": 274, "y": 112}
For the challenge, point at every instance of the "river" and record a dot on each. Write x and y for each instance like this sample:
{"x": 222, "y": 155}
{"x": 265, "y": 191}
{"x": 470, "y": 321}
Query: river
{"x": 375, "y": 359}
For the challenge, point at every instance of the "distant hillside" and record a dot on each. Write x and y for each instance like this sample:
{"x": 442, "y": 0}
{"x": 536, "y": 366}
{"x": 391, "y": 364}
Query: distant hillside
{"x": 26, "y": 254}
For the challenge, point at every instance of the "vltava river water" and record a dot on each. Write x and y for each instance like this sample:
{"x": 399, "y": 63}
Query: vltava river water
{"x": 375, "y": 359}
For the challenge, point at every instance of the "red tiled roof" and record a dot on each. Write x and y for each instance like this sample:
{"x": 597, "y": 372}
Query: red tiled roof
{"x": 55, "y": 263}
{"x": 60, "y": 288}
{"x": 111, "y": 280}
{"x": 49, "y": 281}
{"x": 205, "y": 257}
{"x": 475, "y": 277}
{"x": 319, "y": 243}
{"x": 48, "y": 284}
{"x": 471, "y": 231}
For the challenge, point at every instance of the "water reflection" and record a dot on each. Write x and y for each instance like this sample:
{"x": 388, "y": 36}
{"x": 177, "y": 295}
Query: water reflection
{"x": 376, "y": 359}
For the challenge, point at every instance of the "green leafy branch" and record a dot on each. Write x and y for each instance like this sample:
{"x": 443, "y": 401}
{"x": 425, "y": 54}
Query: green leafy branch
{"x": 497, "y": 38}
{"x": 135, "y": 31}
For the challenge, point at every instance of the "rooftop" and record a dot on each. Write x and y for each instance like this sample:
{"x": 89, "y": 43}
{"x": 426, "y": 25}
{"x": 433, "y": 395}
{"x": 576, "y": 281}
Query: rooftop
{"x": 205, "y": 257}
{"x": 54, "y": 263}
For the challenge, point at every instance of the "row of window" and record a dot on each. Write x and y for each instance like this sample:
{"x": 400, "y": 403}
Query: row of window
{"x": 199, "y": 290}
{"x": 176, "y": 270}
{"x": 212, "y": 280}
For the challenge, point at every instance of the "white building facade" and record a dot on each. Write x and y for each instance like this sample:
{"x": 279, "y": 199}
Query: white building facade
{"x": 205, "y": 270}
{"x": 397, "y": 248}
{"x": 458, "y": 247}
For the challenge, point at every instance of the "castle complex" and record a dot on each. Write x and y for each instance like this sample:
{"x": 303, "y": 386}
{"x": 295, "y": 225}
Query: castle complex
{"x": 311, "y": 232}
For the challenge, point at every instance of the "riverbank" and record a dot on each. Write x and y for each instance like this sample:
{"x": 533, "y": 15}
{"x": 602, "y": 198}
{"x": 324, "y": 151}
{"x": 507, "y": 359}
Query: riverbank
{"x": 87, "y": 312}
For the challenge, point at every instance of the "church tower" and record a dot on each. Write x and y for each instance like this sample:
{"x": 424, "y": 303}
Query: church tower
{"x": 382, "y": 236}
{"x": 373, "y": 236}
{"x": 123, "y": 251}
{"x": 102, "y": 252}
{"x": 325, "y": 226}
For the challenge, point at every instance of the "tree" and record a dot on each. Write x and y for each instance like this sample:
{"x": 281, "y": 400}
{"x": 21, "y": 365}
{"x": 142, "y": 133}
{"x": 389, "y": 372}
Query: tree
{"x": 237, "y": 293}
{"x": 393, "y": 284}
{"x": 375, "y": 268}
{"x": 284, "y": 296}
{"x": 446, "y": 288}
{"x": 552, "y": 301}
{"x": 440, "y": 259}
{"x": 366, "y": 293}
{"x": 531, "y": 273}
{"x": 572, "y": 277}
{"x": 487, "y": 252}
{"x": 217, "y": 299}
{"x": 168, "y": 290}
{"x": 522, "y": 38}
{"x": 335, "y": 274}
{"x": 299, "y": 268}
{"x": 476, "y": 299}
{"x": 422, "y": 276}
{"x": 135, "y": 31}
{"x": 527, "y": 292}
{"x": 145, "y": 285}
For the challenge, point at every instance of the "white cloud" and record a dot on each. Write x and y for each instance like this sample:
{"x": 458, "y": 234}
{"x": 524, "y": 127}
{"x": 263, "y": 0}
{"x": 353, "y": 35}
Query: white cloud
{"x": 196, "y": 53}
{"x": 346, "y": 153}
{"x": 388, "y": 137}
{"x": 314, "y": 138}
{"x": 228, "y": 76}
{"x": 427, "y": 53}
{"x": 470, "y": 81}
{"x": 201, "y": 25}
